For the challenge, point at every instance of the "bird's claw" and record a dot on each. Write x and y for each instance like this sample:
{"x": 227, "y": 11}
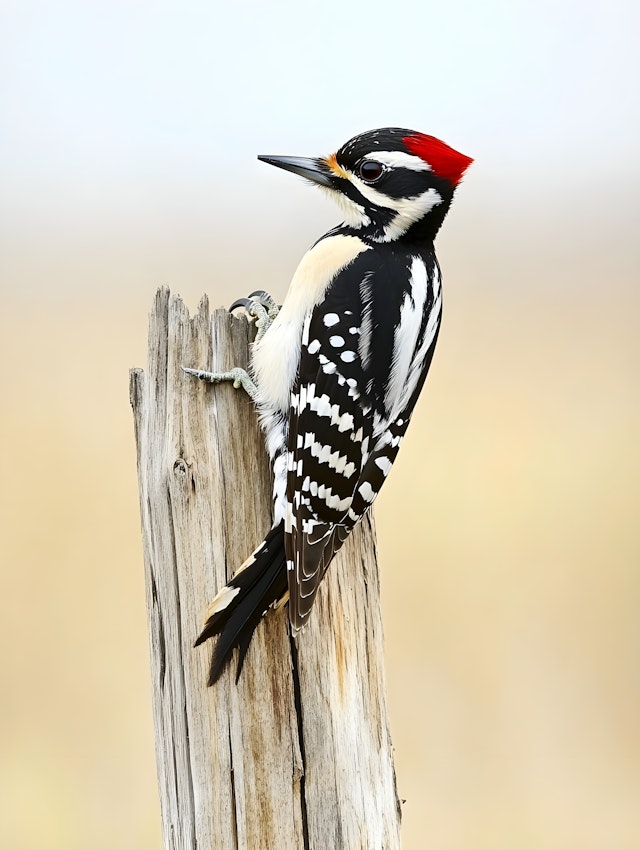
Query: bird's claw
{"x": 259, "y": 306}
{"x": 246, "y": 303}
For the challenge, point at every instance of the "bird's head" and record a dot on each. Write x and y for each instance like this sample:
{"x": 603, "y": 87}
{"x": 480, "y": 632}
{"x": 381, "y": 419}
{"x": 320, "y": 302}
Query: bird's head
{"x": 390, "y": 184}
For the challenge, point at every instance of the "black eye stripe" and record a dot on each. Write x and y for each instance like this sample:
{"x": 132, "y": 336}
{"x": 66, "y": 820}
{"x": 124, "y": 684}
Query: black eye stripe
{"x": 370, "y": 170}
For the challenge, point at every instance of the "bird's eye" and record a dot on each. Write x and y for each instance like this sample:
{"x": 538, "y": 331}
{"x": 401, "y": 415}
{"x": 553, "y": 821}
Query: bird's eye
{"x": 370, "y": 170}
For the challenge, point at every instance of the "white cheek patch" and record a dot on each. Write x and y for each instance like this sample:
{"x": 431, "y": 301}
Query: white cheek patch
{"x": 410, "y": 210}
{"x": 407, "y": 210}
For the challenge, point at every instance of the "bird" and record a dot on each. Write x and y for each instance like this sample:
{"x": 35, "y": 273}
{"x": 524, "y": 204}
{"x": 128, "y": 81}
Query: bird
{"x": 336, "y": 371}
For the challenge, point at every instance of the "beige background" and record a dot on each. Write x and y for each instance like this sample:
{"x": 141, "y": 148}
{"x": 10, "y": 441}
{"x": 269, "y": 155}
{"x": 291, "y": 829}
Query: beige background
{"x": 509, "y": 537}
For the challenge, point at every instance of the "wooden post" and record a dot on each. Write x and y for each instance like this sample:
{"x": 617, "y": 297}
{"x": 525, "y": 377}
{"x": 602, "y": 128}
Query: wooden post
{"x": 297, "y": 754}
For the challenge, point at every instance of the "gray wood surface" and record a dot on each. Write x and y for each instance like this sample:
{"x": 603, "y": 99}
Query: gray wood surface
{"x": 298, "y": 753}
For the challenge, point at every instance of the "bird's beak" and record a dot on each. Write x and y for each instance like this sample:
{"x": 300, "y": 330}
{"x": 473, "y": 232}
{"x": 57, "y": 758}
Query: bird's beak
{"x": 315, "y": 170}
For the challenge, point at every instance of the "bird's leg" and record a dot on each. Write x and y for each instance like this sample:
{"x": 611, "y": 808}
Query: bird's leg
{"x": 261, "y": 307}
{"x": 239, "y": 377}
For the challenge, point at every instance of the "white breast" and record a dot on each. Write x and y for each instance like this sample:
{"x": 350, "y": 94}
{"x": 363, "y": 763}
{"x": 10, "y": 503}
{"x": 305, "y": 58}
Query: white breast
{"x": 275, "y": 358}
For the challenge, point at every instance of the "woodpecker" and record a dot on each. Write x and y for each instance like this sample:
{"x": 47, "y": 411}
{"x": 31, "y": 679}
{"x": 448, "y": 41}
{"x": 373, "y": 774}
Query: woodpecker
{"x": 336, "y": 371}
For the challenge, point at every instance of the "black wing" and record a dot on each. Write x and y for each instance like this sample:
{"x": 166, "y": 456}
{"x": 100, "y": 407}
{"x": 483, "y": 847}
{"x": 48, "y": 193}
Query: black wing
{"x": 351, "y": 404}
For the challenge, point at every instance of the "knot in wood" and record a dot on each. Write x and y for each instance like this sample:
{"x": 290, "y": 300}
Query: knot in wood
{"x": 181, "y": 468}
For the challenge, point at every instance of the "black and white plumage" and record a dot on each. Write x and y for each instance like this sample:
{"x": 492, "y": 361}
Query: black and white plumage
{"x": 338, "y": 371}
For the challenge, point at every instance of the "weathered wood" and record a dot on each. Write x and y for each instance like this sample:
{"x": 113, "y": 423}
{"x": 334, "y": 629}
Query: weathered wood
{"x": 297, "y": 754}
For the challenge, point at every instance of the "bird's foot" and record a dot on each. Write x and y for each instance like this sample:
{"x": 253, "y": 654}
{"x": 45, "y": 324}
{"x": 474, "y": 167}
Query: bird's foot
{"x": 239, "y": 378}
{"x": 261, "y": 307}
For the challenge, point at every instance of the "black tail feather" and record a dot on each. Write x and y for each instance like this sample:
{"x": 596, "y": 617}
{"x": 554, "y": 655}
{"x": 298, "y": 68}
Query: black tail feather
{"x": 259, "y": 585}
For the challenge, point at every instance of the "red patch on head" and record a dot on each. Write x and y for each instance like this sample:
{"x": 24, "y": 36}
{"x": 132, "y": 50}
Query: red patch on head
{"x": 444, "y": 161}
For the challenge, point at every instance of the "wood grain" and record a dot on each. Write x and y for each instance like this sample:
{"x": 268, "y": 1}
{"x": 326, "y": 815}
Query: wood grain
{"x": 298, "y": 753}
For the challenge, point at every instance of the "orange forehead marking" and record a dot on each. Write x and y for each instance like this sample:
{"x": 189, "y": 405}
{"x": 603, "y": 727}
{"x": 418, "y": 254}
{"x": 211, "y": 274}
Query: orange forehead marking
{"x": 332, "y": 162}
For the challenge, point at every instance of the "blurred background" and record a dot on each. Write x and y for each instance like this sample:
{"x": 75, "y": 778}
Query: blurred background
{"x": 509, "y": 529}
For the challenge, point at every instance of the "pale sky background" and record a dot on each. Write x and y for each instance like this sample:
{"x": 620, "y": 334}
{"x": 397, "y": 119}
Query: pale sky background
{"x": 509, "y": 539}
{"x": 125, "y": 122}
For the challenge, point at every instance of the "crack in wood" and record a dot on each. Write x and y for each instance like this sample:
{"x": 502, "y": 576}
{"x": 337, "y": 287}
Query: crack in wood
{"x": 297, "y": 697}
